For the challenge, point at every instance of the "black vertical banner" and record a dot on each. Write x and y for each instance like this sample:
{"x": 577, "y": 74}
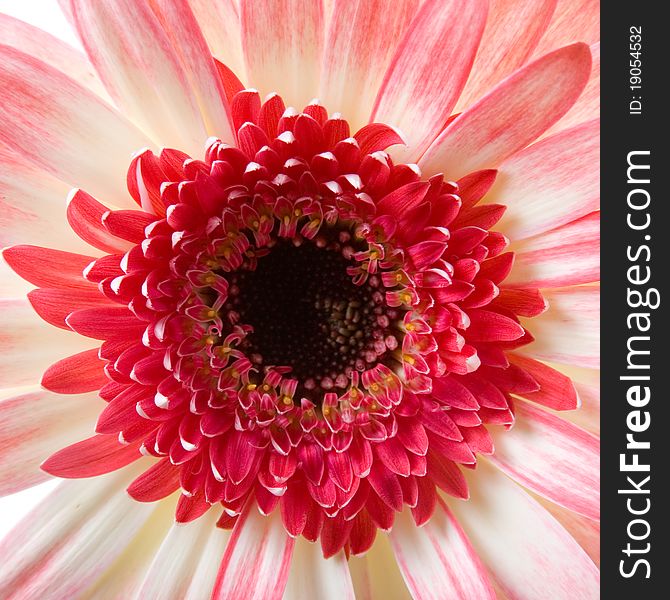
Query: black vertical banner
{"x": 635, "y": 266}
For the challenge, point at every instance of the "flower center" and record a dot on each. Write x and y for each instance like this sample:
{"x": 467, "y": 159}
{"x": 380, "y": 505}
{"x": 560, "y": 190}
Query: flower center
{"x": 308, "y": 315}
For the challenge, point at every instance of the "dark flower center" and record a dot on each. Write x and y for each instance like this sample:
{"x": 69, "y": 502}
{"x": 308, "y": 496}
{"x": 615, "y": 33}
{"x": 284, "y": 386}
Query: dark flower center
{"x": 309, "y": 315}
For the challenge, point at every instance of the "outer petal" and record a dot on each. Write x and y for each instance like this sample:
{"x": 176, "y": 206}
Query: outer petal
{"x": 526, "y": 550}
{"x": 257, "y": 559}
{"x": 569, "y": 332}
{"x": 437, "y": 560}
{"x": 486, "y": 134}
{"x": 376, "y": 575}
{"x": 429, "y": 71}
{"x": 65, "y": 544}
{"x": 313, "y": 576}
{"x": 549, "y": 183}
{"x": 552, "y": 457}
{"x": 172, "y": 572}
{"x": 587, "y": 106}
{"x": 213, "y": 549}
{"x": 28, "y": 345}
{"x": 360, "y": 45}
{"x": 141, "y": 72}
{"x": 182, "y": 27}
{"x": 283, "y": 43}
{"x": 51, "y": 50}
{"x": 220, "y": 24}
{"x": 63, "y": 127}
{"x": 32, "y": 205}
{"x": 34, "y": 424}
{"x": 513, "y": 30}
{"x": 568, "y": 255}
{"x": 573, "y": 21}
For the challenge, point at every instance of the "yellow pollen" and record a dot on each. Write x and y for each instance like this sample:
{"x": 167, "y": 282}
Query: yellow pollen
{"x": 409, "y": 359}
{"x": 405, "y": 298}
{"x": 210, "y": 279}
{"x": 373, "y": 406}
{"x": 410, "y": 327}
{"x": 287, "y": 400}
{"x": 398, "y": 277}
{"x": 374, "y": 387}
{"x": 209, "y": 340}
{"x": 326, "y": 411}
{"x": 235, "y": 373}
{"x": 255, "y": 224}
{"x": 354, "y": 393}
{"x": 287, "y": 220}
{"x": 251, "y": 387}
{"x": 297, "y": 212}
{"x": 374, "y": 255}
{"x": 266, "y": 387}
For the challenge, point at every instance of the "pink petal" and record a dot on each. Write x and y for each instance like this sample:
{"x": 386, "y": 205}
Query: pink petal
{"x": 313, "y": 576}
{"x": 359, "y": 47}
{"x": 84, "y": 214}
{"x": 157, "y": 482}
{"x": 35, "y": 424}
{"x": 177, "y": 567}
{"x": 281, "y": 58}
{"x": 572, "y": 21}
{"x": 437, "y": 560}
{"x": 557, "y": 391}
{"x": 552, "y": 457}
{"x": 93, "y": 456}
{"x": 220, "y": 24}
{"x": 82, "y": 372}
{"x": 45, "y": 267}
{"x": 587, "y": 106}
{"x": 585, "y": 531}
{"x": 569, "y": 331}
{"x": 568, "y": 255}
{"x": 256, "y": 563}
{"x": 28, "y": 345}
{"x": 549, "y": 184}
{"x": 49, "y": 49}
{"x": 429, "y": 70}
{"x": 32, "y": 205}
{"x": 68, "y": 542}
{"x": 64, "y": 128}
{"x": 517, "y": 539}
{"x": 183, "y": 29}
{"x": 491, "y": 130}
{"x": 142, "y": 73}
{"x": 515, "y": 26}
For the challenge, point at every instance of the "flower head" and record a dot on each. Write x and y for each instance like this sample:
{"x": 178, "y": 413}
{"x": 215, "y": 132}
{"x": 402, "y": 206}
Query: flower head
{"x": 300, "y": 329}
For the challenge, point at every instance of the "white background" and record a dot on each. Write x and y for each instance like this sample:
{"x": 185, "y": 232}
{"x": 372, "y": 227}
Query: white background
{"x": 46, "y": 15}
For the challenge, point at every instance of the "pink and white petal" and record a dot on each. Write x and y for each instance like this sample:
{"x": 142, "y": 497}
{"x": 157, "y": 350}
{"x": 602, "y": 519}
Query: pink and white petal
{"x": 141, "y": 72}
{"x": 517, "y": 538}
{"x": 282, "y": 41}
{"x": 585, "y": 531}
{"x": 587, "y": 106}
{"x": 64, "y": 128}
{"x": 69, "y": 540}
{"x": 550, "y": 183}
{"x": 567, "y": 255}
{"x": 28, "y": 345}
{"x": 313, "y": 576}
{"x": 375, "y": 574}
{"x": 220, "y": 24}
{"x": 569, "y": 331}
{"x": 359, "y": 47}
{"x": 428, "y": 72}
{"x": 256, "y": 563}
{"x": 186, "y": 37}
{"x": 49, "y": 49}
{"x": 587, "y": 385}
{"x": 32, "y": 205}
{"x": 437, "y": 560}
{"x": 11, "y": 285}
{"x": 486, "y": 134}
{"x": 552, "y": 457}
{"x": 173, "y": 571}
{"x": 515, "y": 26}
{"x": 205, "y": 574}
{"x": 573, "y": 21}
{"x": 34, "y": 423}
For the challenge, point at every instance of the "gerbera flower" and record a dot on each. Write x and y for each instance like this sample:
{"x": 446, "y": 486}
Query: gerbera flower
{"x": 317, "y": 341}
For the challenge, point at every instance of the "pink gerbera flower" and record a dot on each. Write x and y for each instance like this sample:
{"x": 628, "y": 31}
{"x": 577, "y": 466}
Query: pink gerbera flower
{"x": 294, "y": 329}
